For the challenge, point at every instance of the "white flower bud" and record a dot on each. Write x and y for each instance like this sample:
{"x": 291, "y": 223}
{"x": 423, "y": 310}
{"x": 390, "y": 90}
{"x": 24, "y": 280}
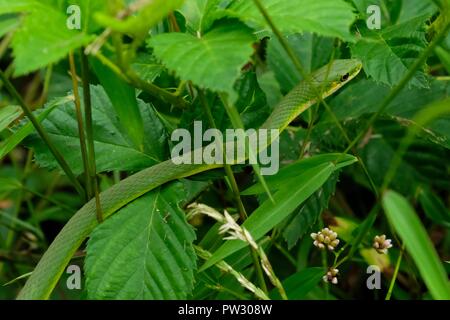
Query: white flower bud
{"x": 325, "y": 238}
{"x": 381, "y": 244}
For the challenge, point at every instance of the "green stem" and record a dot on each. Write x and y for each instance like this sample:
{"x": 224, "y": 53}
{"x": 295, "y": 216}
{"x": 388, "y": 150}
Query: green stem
{"x": 280, "y": 37}
{"x": 286, "y": 253}
{"x": 221, "y": 288}
{"x": 131, "y": 77}
{"x": 229, "y": 172}
{"x": 43, "y": 134}
{"x": 324, "y": 258}
{"x": 44, "y": 197}
{"x": 20, "y": 197}
{"x": 236, "y": 193}
{"x": 394, "y": 277}
{"x": 90, "y": 133}
{"x": 48, "y": 77}
{"x": 156, "y": 91}
{"x": 237, "y": 123}
{"x": 347, "y": 139}
{"x": 259, "y": 270}
{"x": 81, "y": 133}
{"x": 4, "y": 44}
{"x": 308, "y": 132}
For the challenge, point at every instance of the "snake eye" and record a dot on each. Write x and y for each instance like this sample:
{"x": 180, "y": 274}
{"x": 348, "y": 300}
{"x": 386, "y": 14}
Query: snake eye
{"x": 345, "y": 77}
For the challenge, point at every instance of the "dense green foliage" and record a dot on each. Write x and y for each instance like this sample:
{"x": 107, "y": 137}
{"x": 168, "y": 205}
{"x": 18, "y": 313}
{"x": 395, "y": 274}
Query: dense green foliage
{"x": 372, "y": 159}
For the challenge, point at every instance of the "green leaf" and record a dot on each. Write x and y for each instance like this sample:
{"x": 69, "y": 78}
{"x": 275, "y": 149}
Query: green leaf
{"x": 8, "y": 6}
{"x": 417, "y": 243}
{"x": 9, "y": 184}
{"x": 24, "y": 131}
{"x": 363, "y": 97}
{"x": 146, "y": 67}
{"x": 123, "y": 99}
{"x": 43, "y": 39}
{"x": 8, "y": 23}
{"x": 291, "y": 172}
{"x": 325, "y": 17}
{"x": 213, "y": 61}
{"x": 396, "y": 11}
{"x": 270, "y": 214}
{"x": 251, "y": 102}
{"x": 312, "y": 50}
{"x": 356, "y": 236}
{"x": 422, "y": 163}
{"x": 193, "y": 11}
{"x": 444, "y": 56}
{"x": 387, "y": 57}
{"x": 144, "y": 251}
{"x": 308, "y": 213}
{"x": 433, "y": 207}
{"x": 415, "y": 8}
{"x": 23, "y": 276}
{"x": 200, "y": 14}
{"x": 114, "y": 150}
{"x": 9, "y": 114}
{"x": 149, "y": 14}
{"x": 88, "y": 10}
{"x": 16, "y": 223}
{"x": 298, "y": 285}
{"x": 270, "y": 86}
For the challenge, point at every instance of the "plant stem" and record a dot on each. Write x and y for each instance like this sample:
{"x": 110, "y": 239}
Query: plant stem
{"x": 229, "y": 172}
{"x": 236, "y": 193}
{"x": 286, "y": 253}
{"x": 155, "y": 91}
{"x": 81, "y": 133}
{"x": 259, "y": 270}
{"x": 46, "y": 198}
{"x": 173, "y": 22}
{"x": 90, "y": 133}
{"x": 280, "y": 37}
{"x": 221, "y": 288}
{"x": 225, "y": 267}
{"x": 394, "y": 277}
{"x": 48, "y": 77}
{"x": 131, "y": 77}
{"x": 43, "y": 134}
{"x": 237, "y": 123}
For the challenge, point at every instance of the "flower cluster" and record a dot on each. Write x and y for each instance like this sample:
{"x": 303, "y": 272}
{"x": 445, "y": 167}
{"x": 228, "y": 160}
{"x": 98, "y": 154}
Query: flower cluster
{"x": 328, "y": 239}
{"x": 331, "y": 276}
{"x": 381, "y": 244}
{"x": 325, "y": 238}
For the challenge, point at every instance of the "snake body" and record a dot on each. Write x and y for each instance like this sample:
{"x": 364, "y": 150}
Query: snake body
{"x": 45, "y": 276}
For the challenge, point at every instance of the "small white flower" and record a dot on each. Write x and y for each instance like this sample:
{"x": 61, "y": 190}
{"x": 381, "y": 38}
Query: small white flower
{"x": 235, "y": 231}
{"x": 381, "y": 244}
{"x": 331, "y": 276}
{"x": 325, "y": 238}
{"x": 230, "y": 226}
{"x": 195, "y": 209}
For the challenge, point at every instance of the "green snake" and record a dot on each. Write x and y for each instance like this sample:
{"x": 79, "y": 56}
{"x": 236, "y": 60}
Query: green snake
{"x": 45, "y": 276}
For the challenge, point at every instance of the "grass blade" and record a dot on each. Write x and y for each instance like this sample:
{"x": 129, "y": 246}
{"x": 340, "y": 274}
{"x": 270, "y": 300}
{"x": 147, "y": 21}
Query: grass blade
{"x": 9, "y": 144}
{"x": 417, "y": 243}
{"x": 299, "y": 284}
{"x": 7, "y": 115}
